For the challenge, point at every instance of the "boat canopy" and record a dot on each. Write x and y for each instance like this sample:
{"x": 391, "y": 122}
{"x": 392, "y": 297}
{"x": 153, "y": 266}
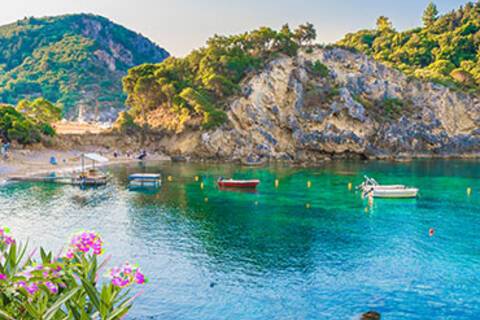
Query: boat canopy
{"x": 95, "y": 157}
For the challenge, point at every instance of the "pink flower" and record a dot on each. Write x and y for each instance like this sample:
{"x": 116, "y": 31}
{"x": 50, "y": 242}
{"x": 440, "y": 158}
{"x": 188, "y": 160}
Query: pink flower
{"x": 84, "y": 242}
{"x": 126, "y": 275}
{"x": 69, "y": 254}
{"x": 139, "y": 278}
{"x": 3, "y": 276}
{"x": 52, "y": 287}
{"x": 32, "y": 288}
{"x": 7, "y": 240}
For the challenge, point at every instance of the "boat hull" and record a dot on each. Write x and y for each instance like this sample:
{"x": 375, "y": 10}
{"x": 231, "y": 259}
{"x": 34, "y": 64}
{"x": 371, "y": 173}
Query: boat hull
{"x": 395, "y": 193}
{"x": 239, "y": 184}
{"x": 145, "y": 184}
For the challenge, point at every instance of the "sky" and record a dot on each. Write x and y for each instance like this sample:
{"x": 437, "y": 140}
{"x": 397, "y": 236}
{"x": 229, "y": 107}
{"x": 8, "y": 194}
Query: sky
{"x": 180, "y": 26}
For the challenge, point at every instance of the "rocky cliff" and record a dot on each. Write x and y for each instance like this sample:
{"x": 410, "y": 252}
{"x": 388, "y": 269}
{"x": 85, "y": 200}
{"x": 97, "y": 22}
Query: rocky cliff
{"x": 331, "y": 103}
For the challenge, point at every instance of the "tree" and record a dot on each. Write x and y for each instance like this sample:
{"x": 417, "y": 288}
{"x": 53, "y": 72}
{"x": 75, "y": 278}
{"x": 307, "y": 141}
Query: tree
{"x": 285, "y": 30}
{"x": 40, "y": 110}
{"x": 430, "y": 15}
{"x": 305, "y": 33}
{"x": 384, "y": 24}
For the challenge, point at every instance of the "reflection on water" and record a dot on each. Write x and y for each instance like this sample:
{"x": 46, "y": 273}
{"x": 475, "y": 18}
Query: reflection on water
{"x": 290, "y": 252}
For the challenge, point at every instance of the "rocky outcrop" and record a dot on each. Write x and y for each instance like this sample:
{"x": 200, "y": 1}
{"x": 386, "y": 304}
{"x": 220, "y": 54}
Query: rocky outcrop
{"x": 361, "y": 109}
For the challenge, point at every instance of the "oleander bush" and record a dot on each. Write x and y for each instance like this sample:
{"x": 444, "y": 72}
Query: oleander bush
{"x": 63, "y": 287}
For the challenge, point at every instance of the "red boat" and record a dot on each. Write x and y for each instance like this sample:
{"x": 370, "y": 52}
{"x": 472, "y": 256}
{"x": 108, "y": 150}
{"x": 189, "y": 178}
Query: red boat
{"x": 230, "y": 183}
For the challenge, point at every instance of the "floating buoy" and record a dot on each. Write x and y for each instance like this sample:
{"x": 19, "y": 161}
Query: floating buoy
{"x": 309, "y": 184}
{"x": 256, "y": 203}
{"x": 431, "y": 232}
{"x": 277, "y": 183}
{"x": 308, "y": 206}
{"x": 350, "y": 186}
{"x": 202, "y": 185}
{"x": 170, "y": 178}
{"x": 206, "y": 199}
{"x": 469, "y": 191}
{"x": 197, "y": 178}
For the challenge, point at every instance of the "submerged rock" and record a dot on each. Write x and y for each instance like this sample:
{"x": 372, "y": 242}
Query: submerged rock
{"x": 371, "y": 315}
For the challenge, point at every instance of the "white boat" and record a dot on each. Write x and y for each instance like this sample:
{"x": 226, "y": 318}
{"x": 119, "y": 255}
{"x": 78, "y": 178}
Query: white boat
{"x": 370, "y": 186}
{"x": 406, "y": 193}
{"x": 145, "y": 180}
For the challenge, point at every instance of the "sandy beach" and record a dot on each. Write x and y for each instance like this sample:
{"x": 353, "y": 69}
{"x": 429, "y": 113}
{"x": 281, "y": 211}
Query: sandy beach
{"x": 23, "y": 162}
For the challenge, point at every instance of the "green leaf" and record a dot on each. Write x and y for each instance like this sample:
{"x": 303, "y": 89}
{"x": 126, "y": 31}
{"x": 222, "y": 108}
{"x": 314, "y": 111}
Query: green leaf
{"x": 59, "y": 303}
{"x": 5, "y": 316}
{"x": 92, "y": 294}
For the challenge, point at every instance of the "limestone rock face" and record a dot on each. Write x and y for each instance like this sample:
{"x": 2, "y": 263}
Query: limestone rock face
{"x": 361, "y": 109}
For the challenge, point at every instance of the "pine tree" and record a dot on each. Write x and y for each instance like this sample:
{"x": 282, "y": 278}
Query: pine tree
{"x": 384, "y": 24}
{"x": 430, "y": 15}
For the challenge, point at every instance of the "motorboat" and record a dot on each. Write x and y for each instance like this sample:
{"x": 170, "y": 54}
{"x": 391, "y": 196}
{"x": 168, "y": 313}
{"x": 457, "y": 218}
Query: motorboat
{"x": 145, "y": 180}
{"x": 372, "y": 187}
{"x": 231, "y": 183}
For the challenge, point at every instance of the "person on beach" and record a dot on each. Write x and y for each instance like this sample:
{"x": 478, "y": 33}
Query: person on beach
{"x": 4, "y": 150}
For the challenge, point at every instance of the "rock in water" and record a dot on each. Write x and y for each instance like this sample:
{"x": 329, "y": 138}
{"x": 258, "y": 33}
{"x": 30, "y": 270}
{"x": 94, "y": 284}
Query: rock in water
{"x": 371, "y": 315}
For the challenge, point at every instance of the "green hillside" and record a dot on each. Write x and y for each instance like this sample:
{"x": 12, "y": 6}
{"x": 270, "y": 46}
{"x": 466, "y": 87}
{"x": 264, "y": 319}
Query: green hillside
{"x": 193, "y": 91}
{"x": 76, "y": 61}
{"x": 446, "y": 49}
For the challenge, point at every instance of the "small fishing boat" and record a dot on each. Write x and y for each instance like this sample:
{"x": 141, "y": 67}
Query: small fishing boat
{"x": 371, "y": 186}
{"x": 90, "y": 178}
{"x": 145, "y": 180}
{"x": 231, "y": 183}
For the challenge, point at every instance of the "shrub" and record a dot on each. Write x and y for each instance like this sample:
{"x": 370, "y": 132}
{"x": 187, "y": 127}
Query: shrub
{"x": 125, "y": 123}
{"x": 319, "y": 69}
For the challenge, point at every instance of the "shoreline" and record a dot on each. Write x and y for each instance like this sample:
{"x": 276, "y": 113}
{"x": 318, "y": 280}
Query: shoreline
{"x": 26, "y": 163}
{"x": 29, "y": 163}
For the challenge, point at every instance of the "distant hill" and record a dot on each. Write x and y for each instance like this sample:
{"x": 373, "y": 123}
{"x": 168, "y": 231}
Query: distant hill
{"x": 77, "y": 61}
{"x": 446, "y": 49}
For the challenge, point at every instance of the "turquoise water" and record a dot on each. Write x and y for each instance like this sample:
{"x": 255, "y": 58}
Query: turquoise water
{"x": 286, "y": 253}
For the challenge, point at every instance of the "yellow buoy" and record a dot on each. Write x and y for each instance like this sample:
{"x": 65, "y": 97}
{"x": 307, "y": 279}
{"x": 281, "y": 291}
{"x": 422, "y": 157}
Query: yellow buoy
{"x": 309, "y": 184}
{"x": 469, "y": 191}
{"x": 206, "y": 199}
{"x": 170, "y": 178}
{"x": 308, "y": 206}
{"x": 202, "y": 185}
{"x": 350, "y": 186}
{"x": 277, "y": 183}
{"x": 197, "y": 178}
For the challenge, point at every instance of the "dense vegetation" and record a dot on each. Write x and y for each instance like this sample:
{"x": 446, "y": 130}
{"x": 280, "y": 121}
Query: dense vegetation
{"x": 73, "y": 60}
{"x": 28, "y": 121}
{"x": 446, "y": 49}
{"x": 193, "y": 91}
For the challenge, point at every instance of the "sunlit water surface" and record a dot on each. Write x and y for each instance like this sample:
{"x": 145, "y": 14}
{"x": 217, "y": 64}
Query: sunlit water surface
{"x": 280, "y": 253}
